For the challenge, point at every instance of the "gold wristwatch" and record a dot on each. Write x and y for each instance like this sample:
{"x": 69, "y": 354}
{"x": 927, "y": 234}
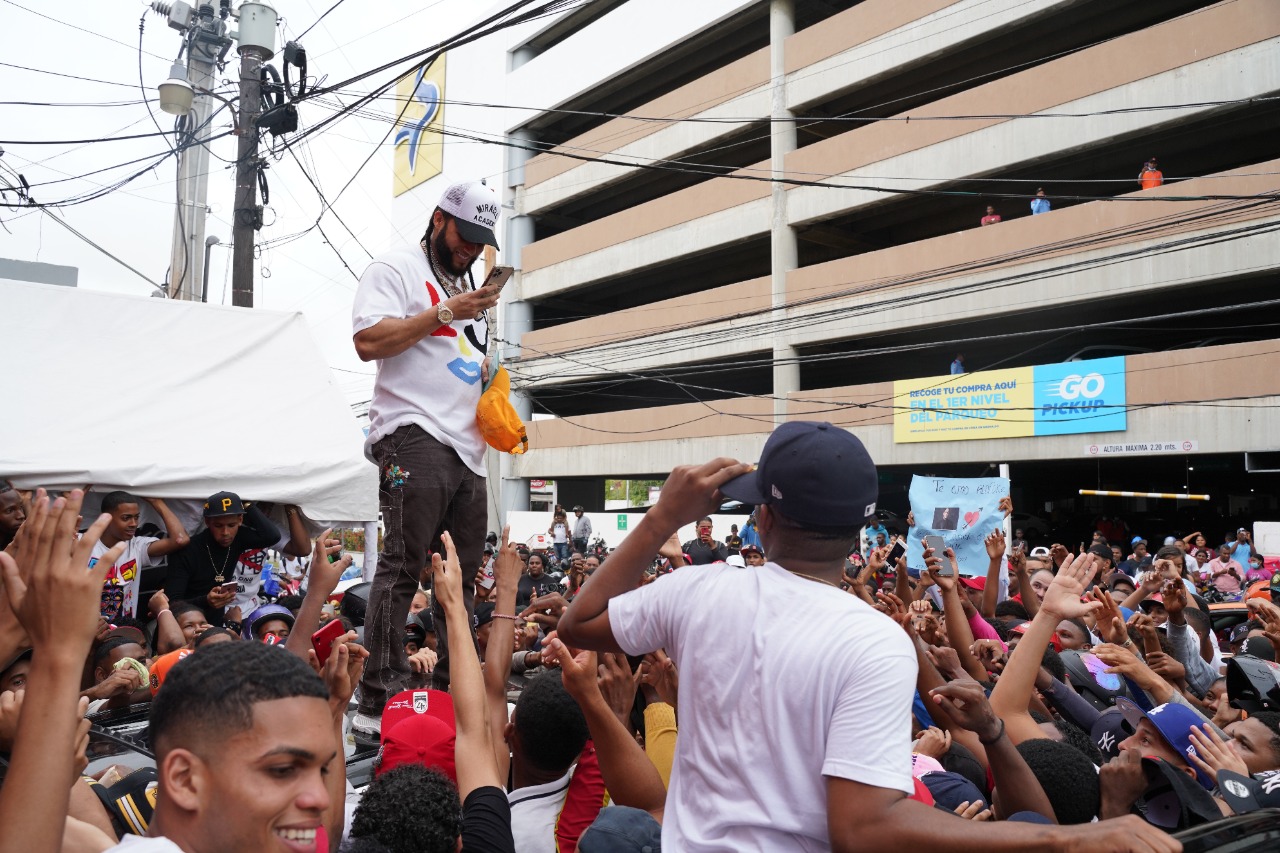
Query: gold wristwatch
{"x": 444, "y": 314}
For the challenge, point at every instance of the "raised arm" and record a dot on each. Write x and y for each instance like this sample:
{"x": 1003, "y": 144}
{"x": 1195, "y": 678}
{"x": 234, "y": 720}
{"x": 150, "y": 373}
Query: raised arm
{"x": 959, "y": 634}
{"x": 995, "y": 551}
{"x": 177, "y": 537}
{"x": 322, "y": 579}
{"x": 497, "y": 656}
{"x": 690, "y": 493}
{"x": 629, "y": 775}
{"x": 1062, "y": 601}
{"x": 1019, "y": 788}
{"x": 473, "y": 749}
{"x": 299, "y": 544}
{"x": 55, "y": 596}
{"x": 168, "y": 632}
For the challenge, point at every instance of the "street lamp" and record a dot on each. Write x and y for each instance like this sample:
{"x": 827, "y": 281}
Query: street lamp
{"x": 176, "y": 94}
{"x": 209, "y": 242}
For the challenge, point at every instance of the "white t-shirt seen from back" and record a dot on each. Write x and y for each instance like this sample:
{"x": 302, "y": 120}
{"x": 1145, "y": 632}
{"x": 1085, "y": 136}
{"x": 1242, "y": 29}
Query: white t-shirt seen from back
{"x": 784, "y": 681}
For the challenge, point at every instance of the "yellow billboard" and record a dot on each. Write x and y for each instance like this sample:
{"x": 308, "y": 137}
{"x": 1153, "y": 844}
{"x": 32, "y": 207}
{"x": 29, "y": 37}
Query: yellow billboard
{"x": 419, "y": 145}
{"x": 989, "y": 404}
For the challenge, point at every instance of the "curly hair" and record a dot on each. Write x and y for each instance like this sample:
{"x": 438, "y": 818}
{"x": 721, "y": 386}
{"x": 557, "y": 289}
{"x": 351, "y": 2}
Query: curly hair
{"x": 550, "y": 725}
{"x": 410, "y": 810}
{"x": 1068, "y": 778}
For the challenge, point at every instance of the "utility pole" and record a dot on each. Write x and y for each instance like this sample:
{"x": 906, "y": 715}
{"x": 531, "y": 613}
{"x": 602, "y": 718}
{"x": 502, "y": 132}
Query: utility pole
{"x": 206, "y": 42}
{"x": 257, "y": 39}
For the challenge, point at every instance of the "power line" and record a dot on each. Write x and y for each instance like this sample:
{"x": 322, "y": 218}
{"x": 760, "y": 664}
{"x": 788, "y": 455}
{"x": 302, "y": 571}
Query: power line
{"x": 68, "y": 76}
{"x": 80, "y": 29}
{"x": 319, "y": 19}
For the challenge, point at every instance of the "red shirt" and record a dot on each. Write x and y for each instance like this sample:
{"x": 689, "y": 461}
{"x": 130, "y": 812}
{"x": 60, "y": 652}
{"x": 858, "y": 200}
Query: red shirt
{"x": 991, "y": 220}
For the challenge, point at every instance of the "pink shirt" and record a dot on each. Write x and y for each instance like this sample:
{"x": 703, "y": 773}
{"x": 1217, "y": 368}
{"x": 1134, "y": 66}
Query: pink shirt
{"x": 982, "y": 629}
{"x": 1222, "y": 578}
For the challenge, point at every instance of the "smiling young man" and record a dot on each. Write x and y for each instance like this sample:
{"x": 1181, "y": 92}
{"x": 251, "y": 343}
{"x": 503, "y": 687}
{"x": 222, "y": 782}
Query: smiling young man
{"x": 247, "y": 755}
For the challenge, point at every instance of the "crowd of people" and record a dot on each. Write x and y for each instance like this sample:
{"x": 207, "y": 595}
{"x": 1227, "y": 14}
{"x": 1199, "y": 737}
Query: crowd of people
{"x": 1046, "y": 700}
{"x": 777, "y": 688}
{"x": 1149, "y": 178}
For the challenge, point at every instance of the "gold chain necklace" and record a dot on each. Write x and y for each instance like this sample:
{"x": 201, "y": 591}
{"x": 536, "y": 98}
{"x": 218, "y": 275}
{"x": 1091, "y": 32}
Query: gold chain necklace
{"x": 219, "y": 576}
{"x": 812, "y": 578}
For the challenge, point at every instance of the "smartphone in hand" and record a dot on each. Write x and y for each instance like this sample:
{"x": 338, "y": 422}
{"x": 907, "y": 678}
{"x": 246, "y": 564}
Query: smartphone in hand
{"x": 498, "y": 277}
{"x": 938, "y": 544}
{"x": 322, "y": 640}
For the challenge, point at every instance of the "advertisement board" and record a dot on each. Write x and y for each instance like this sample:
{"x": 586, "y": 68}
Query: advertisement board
{"x": 1046, "y": 399}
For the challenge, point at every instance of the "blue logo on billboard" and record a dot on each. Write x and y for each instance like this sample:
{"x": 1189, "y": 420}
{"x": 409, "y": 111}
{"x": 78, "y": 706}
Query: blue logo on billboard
{"x": 1080, "y": 396}
{"x": 426, "y": 92}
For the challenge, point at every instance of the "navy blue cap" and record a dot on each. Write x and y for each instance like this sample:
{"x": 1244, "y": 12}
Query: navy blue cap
{"x": 622, "y": 829}
{"x": 812, "y": 473}
{"x": 1249, "y": 793}
{"x": 951, "y": 789}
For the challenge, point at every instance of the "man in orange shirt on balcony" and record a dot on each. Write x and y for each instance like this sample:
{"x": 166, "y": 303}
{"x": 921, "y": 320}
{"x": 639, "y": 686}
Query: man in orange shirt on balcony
{"x": 1150, "y": 177}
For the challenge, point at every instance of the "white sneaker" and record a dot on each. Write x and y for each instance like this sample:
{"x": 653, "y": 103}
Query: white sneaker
{"x": 367, "y": 724}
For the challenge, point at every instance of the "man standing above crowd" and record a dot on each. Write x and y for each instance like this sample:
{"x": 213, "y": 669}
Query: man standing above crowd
{"x": 419, "y": 314}
{"x": 124, "y": 579}
{"x": 836, "y": 771}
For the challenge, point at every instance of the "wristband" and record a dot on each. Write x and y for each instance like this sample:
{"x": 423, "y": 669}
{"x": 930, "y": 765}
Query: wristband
{"x": 999, "y": 735}
{"x": 513, "y": 618}
{"x": 233, "y": 625}
{"x": 163, "y": 612}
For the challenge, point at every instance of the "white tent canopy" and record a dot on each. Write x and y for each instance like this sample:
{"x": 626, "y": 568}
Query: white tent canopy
{"x": 175, "y": 400}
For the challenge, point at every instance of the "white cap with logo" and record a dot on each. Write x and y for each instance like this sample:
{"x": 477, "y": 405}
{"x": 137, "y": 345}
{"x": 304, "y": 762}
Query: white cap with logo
{"x": 475, "y": 209}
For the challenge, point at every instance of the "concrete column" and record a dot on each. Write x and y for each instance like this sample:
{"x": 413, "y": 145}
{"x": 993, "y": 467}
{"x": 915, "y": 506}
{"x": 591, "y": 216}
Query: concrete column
{"x": 516, "y": 315}
{"x": 783, "y": 249}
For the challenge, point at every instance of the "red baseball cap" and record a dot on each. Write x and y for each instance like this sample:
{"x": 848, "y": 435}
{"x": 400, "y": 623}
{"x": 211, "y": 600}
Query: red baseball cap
{"x": 418, "y": 727}
{"x": 978, "y": 584}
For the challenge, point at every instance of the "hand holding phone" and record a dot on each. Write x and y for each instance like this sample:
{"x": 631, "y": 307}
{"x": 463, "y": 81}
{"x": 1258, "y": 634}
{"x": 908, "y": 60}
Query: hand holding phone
{"x": 230, "y": 587}
{"x": 322, "y": 640}
{"x": 939, "y": 545}
{"x": 896, "y": 551}
{"x": 498, "y": 277}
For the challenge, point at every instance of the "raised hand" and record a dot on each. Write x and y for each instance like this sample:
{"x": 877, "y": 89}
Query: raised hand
{"x": 878, "y": 560}
{"x": 1110, "y": 621}
{"x": 659, "y": 673}
{"x": 1062, "y": 598}
{"x": 446, "y": 574}
{"x": 1006, "y": 506}
{"x": 934, "y": 742}
{"x": 990, "y": 654}
{"x": 50, "y": 588}
{"x": 693, "y": 491}
{"x": 995, "y": 544}
{"x": 341, "y": 672}
{"x": 1212, "y": 754}
{"x": 968, "y": 705}
{"x": 1170, "y": 669}
{"x": 423, "y": 660}
{"x": 947, "y": 661}
{"x": 323, "y": 575}
{"x": 1175, "y": 598}
{"x": 1017, "y": 562}
{"x": 617, "y": 684}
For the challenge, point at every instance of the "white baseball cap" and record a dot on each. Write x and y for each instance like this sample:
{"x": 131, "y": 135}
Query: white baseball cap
{"x": 475, "y": 209}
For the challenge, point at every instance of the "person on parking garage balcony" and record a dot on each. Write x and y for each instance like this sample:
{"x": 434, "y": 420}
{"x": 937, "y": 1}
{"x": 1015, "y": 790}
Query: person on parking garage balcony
{"x": 1039, "y": 204}
{"x": 1150, "y": 177}
{"x": 992, "y": 217}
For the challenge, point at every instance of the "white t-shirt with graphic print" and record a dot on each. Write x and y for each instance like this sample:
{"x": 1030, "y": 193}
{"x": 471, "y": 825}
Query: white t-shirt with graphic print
{"x": 434, "y": 384}
{"x": 123, "y": 582}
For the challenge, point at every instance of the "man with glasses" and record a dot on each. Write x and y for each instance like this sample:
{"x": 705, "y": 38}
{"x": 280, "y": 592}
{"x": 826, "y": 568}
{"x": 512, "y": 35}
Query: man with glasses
{"x": 420, "y": 316}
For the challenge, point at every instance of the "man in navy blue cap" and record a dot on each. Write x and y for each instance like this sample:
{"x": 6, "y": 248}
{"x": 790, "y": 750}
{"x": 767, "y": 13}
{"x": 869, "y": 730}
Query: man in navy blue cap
{"x": 795, "y": 696}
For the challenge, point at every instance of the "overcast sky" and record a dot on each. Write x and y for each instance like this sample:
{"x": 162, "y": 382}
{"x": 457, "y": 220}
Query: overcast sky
{"x": 136, "y": 223}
